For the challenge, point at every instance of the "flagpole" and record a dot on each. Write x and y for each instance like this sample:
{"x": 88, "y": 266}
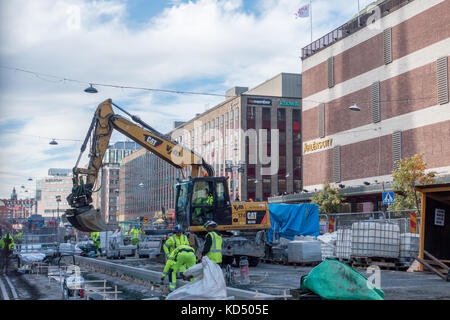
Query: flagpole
{"x": 310, "y": 18}
{"x": 359, "y": 22}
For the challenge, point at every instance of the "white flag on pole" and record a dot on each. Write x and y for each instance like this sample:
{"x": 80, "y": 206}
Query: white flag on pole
{"x": 303, "y": 12}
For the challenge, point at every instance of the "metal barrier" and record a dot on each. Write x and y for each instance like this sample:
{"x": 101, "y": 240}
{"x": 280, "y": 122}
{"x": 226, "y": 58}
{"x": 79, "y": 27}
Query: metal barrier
{"x": 390, "y": 234}
{"x": 407, "y": 220}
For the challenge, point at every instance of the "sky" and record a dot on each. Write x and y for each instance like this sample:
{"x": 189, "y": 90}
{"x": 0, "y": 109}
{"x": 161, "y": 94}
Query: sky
{"x": 198, "y": 45}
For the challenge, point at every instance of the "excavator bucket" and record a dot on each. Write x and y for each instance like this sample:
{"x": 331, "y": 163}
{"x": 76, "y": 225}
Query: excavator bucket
{"x": 88, "y": 219}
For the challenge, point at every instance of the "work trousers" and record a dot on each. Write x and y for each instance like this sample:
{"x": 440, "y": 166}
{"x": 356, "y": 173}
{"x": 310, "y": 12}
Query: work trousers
{"x": 5, "y": 257}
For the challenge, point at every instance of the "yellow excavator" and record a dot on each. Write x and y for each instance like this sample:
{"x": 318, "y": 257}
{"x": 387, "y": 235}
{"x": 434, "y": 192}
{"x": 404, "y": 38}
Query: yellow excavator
{"x": 244, "y": 222}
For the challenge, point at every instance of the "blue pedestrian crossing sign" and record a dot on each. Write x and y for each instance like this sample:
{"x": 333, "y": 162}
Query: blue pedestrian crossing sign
{"x": 388, "y": 197}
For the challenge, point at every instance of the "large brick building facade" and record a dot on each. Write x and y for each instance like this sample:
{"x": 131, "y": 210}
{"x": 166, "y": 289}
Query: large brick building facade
{"x": 394, "y": 67}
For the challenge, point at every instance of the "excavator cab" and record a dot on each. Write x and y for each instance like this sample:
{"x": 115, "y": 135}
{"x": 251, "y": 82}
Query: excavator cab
{"x": 201, "y": 199}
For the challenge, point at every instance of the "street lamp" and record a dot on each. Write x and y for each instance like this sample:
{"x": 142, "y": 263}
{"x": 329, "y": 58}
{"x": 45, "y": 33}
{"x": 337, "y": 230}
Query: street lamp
{"x": 235, "y": 168}
{"x": 355, "y": 107}
{"x": 58, "y": 200}
{"x": 90, "y": 89}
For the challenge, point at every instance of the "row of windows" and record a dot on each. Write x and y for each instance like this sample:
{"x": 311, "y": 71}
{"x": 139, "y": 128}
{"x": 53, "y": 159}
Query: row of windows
{"x": 58, "y": 190}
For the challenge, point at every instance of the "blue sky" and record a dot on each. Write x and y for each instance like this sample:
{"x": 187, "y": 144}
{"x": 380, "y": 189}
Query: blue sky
{"x": 197, "y": 45}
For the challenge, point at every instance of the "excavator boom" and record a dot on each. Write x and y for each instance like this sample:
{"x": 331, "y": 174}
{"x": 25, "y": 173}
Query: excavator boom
{"x": 83, "y": 215}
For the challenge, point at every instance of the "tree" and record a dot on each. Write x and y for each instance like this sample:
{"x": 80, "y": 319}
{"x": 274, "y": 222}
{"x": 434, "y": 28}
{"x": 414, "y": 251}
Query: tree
{"x": 408, "y": 172}
{"x": 329, "y": 199}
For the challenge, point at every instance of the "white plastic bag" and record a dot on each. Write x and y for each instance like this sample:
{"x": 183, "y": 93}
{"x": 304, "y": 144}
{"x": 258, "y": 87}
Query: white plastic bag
{"x": 195, "y": 271}
{"x": 211, "y": 287}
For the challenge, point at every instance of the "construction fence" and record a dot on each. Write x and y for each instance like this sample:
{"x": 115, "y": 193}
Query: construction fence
{"x": 380, "y": 234}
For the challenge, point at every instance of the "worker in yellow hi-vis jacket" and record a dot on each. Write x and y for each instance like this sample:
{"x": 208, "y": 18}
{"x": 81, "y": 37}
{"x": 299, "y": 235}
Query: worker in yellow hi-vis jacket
{"x": 181, "y": 259}
{"x": 176, "y": 240}
{"x": 213, "y": 243}
{"x": 6, "y": 248}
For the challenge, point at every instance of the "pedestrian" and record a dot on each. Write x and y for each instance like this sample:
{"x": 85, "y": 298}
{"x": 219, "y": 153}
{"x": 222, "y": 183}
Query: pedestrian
{"x": 181, "y": 259}
{"x": 6, "y": 247}
{"x": 213, "y": 243}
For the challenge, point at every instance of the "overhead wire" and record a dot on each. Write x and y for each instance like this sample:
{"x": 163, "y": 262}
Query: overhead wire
{"x": 98, "y": 84}
{"x": 63, "y": 79}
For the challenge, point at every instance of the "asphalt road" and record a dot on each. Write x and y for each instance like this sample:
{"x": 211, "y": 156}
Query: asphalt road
{"x": 275, "y": 279}
{"x": 266, "y": 278}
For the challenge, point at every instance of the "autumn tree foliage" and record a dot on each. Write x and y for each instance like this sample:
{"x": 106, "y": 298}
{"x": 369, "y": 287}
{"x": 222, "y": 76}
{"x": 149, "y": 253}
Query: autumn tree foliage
{"x": 329, "y": 199}
{"x": 409, "y": 172}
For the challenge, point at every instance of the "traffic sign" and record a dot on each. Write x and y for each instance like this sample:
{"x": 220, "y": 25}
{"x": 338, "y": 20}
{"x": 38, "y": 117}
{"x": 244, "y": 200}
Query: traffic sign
{"x": 388, "y": 197}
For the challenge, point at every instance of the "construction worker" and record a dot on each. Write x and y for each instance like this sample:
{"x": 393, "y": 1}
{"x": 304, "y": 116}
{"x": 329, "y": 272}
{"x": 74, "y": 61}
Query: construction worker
{"x": 95, "y": 236}
{"x": 6, "y": 247}
{"x": 213, "y": 243}
{"x": 176, "y": 240}
{"x": 18, "y": 237}
{"x": 181, "y": 259}
{"x": 135, "y": 235}
{"x": 207, "y": 200}
{"x": 210, "y": 199}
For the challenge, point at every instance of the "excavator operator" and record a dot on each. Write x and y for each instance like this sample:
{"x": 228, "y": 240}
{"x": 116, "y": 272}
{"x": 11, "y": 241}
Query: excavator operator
{"x": 200, "y": 214}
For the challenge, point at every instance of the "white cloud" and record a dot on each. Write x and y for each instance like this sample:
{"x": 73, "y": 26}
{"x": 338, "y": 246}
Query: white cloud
{"x": 187, "y": 43}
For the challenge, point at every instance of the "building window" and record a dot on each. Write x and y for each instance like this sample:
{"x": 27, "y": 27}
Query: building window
{"x": 250, "y": 113}
{"x": 281, "y": 186}
{"x": 297, "y": 186}
{"x": 266, "y": 185}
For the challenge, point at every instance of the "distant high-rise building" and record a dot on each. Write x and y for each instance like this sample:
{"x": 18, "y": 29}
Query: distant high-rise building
{"x": 107, "y": 197}
{"x": 14, "y": 194}
{"x": 55, "y": 172}
{"x": 59, "y": 183}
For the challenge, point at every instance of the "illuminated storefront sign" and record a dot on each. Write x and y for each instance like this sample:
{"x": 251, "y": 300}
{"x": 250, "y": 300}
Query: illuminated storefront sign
{"x": 264, "y": 102}
{"x": 317, "y": 145}
{"x": 289, "y": 103}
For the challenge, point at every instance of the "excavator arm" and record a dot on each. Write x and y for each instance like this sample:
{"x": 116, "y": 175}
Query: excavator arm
{"x": 82, "y": 215}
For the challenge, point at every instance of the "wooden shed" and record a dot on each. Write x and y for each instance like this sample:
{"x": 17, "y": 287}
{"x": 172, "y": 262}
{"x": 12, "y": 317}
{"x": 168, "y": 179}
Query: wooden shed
{"x": 435, "y": 222}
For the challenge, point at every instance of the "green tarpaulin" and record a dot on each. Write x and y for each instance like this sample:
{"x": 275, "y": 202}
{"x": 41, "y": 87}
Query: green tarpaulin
{"x": 334, "y": 280}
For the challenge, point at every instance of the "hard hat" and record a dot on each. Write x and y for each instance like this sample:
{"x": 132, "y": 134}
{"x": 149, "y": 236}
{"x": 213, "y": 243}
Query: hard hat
{"x": 210, "y": 223}
{"x": 178, "y": 228}
{"x": 136, "y": 226}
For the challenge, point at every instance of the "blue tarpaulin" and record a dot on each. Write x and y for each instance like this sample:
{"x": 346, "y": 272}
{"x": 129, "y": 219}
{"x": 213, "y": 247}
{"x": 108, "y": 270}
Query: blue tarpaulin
{"x": 289, "y": 220}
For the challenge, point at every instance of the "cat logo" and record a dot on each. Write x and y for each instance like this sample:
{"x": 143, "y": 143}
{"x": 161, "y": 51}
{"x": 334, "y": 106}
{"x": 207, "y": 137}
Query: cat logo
{"x": 155, "y": 142}
{"x": 251, "y": 215}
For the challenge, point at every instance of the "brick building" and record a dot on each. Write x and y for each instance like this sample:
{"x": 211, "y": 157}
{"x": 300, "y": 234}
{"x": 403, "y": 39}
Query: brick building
{"x": 391, "y": 63}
